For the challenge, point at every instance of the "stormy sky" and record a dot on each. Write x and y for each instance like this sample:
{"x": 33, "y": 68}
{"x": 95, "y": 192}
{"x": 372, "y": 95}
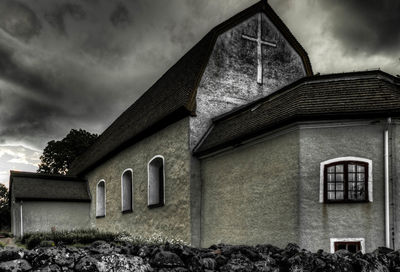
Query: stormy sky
{"x": 79, "y": 63}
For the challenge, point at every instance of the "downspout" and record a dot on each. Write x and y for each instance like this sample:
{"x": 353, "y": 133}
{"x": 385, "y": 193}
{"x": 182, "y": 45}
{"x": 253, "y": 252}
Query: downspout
{"x": 386, "y": 165}
{"x": 22, "y": 224}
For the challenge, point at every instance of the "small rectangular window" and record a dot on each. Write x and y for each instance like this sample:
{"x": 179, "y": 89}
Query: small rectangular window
{"x": 352, "y": 247}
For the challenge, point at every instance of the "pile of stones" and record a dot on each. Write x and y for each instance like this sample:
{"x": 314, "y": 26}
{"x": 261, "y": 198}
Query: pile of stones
{"x": 102, "y": 256}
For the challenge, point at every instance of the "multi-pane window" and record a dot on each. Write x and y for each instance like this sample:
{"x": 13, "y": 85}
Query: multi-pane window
{"x": 346, "y": 181}
{"x": 352, "y": 247}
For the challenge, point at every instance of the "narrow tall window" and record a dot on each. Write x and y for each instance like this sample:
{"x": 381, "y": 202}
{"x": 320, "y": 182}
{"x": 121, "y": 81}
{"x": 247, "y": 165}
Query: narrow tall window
{"x": 126, "y": 190}
{"x": 101, "y": 199}
{"x": 156, "y": 182}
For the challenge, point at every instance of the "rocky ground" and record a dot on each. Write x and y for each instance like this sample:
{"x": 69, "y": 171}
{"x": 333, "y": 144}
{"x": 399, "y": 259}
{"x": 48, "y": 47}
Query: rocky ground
{"x": 102, "y": 256}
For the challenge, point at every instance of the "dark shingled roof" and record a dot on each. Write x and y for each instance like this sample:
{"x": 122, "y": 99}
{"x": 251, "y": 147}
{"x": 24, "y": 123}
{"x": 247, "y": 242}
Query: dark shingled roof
{"x": 335, "y": 96}
{"x": 38, "y": 186}
{"x": 173, "y": 96}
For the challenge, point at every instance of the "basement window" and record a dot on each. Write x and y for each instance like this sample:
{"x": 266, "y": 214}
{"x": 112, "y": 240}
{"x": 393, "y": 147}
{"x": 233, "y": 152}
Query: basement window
{"x": 156, "y": 182}
{"x": 352, "y": 245}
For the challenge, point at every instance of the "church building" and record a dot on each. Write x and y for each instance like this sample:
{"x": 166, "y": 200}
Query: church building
{"x": 238, "y": 143}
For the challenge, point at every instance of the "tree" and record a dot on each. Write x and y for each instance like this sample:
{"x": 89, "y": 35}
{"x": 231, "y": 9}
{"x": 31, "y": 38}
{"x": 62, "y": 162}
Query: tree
{"x": 5, "y": 216}
{"x": 58, "y": 155}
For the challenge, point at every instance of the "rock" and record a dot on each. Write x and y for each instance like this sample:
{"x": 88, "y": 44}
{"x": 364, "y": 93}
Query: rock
{"x": 120, "y": 263}
{"x": 220, "y": 260}
{"x": 19, "y": 265}
{"x": 264, "y": 266}
{"x": 9, "y": 254}
{"x": 238, "y": 263}
{"x": 208, "y": 263}
{"x": 49, "y": 268}
{"x": 87, "y": 264}
{"x": 167, "y": 259}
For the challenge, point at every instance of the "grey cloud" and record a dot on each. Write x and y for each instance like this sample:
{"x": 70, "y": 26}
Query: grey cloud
{"x": 56, "y": 17}
{"x": 19, "y": 20}
{"x": 365, "y": 26}
{"x": 120, "y": 16}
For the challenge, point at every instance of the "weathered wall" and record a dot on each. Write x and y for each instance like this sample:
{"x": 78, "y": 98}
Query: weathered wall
{"x": 318, "y": 221}
{"x": 171, "y": 220}
{"x": 395, "y": 182}
{"x": 42, "y": 215}
{"x": 230, "y": 78}
{"x": 250, "y": 194}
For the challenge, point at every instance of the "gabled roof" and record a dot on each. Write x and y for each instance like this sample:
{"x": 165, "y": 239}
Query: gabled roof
{"x": 173, "y": 96}
{"x": 45, "y": 187}
{"x": 335, "y": 96}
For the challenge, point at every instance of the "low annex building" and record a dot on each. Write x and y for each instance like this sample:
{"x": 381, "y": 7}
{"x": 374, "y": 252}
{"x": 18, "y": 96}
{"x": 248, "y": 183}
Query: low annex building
{"x": 239, "y": 142}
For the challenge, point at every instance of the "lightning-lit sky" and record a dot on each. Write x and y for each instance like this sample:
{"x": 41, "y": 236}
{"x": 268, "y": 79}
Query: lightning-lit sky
{"x": 79, "y": 63}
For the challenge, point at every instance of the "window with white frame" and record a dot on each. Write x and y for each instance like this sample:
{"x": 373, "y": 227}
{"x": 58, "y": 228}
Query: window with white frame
{"x": 346, "y": 179}
{"x": 156, "y": 182}
{"x": 101, "y": 199}
{"x": 352, "y": 245}
{"x": 127, "y": 190}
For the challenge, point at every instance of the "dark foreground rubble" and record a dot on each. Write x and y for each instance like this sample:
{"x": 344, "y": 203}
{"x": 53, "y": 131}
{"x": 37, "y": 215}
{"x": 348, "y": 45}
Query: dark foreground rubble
{"x": 102, "y": 256}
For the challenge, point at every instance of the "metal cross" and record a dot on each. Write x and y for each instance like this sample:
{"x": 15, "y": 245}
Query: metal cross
{"x": 259, "y": 42}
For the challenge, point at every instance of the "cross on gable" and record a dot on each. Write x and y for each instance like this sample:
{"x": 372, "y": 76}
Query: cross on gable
{"x": 259, "y": 42}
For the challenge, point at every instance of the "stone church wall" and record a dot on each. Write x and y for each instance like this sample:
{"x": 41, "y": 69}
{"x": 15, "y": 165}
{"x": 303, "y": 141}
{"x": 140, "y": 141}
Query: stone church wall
{"x": 230, "y": 78}
{"x": 250, "y": 193}
{"x": 171, "y": 220}
{"x": 320, "y": 221}
{"x": 395, "y": 173}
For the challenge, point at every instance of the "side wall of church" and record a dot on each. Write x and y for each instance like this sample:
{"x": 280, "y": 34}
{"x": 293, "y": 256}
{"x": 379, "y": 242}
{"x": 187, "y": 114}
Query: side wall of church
{"x": 173, "y": 219}
{"x": 230, "y": 78}
{"x": 395, "y": 174}
{"x": 319, "y": 222}
{"x": 249, "y": 194}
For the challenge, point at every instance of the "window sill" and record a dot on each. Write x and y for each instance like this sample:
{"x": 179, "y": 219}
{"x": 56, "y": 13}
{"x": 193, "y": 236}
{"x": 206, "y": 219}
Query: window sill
{"x": 127, "y": 211}
{"x": 155, "y": 206}
{"x": 346, "y": 202}
{"x": 100, "y": 216}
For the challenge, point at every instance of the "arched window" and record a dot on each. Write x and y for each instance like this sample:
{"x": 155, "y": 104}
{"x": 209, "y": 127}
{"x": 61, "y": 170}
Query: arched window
{"x": 347, "y": 179}
{"x": 126, "y": 190}
{"x": 156, "y": 182}
{"x": 101, "y": 199}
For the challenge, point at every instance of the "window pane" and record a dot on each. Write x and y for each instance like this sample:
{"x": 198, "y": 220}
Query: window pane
{"x": 361, "y": 195}
{"x": 339, "y": 168}
{"x": 341, "y": 246}
{"x": 339, "y": 177}
{"x": 331, "y": 195}
{"x": 352, "y": 186}
{"x": 360, "y": 168}
{"x": 352, "y": 248}
{"x": 339, "y": 195}
{"x": 331, "y": 169}
{"x": 352, "y": 177}
{"x": 352, "y": 168}
{"x": 331, "y": 177}
{"x": 361, "y": 177}
{"x": 352, "y": 195}
{"x": 331, "y": 186}
{"x": 339, "y": 186}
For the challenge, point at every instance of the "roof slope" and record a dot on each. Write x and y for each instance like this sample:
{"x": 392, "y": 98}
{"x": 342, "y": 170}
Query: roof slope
{"x": 173, "y": 96}
{"x": 37, "y": 186}
{"x": 350, "y": 95}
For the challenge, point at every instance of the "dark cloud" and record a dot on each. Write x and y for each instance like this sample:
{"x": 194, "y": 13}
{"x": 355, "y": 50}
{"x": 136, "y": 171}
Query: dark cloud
{"x": 365, "y": 26}
{"x": 120, "y": 16}
{"x": 112, "y": 51}
{"x": 18, "y": 20}
{"x": 56, "y": 17}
